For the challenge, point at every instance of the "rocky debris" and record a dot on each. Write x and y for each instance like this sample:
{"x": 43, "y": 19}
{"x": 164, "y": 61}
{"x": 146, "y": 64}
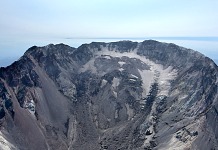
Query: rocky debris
{"x": 119, "y": 95}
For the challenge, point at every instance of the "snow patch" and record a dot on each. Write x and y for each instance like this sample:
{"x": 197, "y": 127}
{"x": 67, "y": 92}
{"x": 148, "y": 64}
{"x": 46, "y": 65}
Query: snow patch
{"x": 30, "y": 106}
{"x": 115, "y": 94}
{"x": 121, "y": 69}
{"x": 164, "y": 80}
{"x": 115, "y": 82}
{"x": 107, "y": 57}
{"x": 157, "y": 73}
{"x": 147, "y": 77}
{"x": 5, "y": 144}
{"x": 132, "y": 80}
{"x": 103, "y": 83}
{"x": 134, "y": 76}
{"x": 121, "y": 63}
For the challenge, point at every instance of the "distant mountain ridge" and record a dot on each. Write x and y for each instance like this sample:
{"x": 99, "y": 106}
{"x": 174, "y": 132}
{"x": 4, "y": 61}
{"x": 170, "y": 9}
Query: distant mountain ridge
{"x": 118, "y": 95}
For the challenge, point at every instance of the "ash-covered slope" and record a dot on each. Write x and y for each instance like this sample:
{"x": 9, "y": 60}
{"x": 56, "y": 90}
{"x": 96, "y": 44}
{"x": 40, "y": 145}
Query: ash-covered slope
{"x": 120, "y": 95}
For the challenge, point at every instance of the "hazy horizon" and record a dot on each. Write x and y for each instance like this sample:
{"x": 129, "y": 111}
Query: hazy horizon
{"x": 205, "y": 45}
{"x": 24, "y": 23}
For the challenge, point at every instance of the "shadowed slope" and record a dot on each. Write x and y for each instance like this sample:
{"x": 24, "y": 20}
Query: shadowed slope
{"x": 119, "y": 95}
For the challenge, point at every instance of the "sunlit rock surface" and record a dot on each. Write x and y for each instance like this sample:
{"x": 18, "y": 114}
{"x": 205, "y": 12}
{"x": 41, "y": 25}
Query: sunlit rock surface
{"x": 121, "y": 95}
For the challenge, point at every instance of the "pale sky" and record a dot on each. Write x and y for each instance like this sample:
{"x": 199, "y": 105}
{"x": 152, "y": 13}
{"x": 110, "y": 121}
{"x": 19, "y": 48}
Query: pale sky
{"x": 108, "y": 18}
{"x": 24, "y": 22}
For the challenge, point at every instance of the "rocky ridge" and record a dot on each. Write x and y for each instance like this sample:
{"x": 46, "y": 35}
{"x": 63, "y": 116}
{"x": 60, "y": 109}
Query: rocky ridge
{"x": 119, "y": 95}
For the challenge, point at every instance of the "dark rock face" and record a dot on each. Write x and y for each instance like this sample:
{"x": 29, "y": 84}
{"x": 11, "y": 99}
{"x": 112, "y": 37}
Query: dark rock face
{"x": 119, "y": 95}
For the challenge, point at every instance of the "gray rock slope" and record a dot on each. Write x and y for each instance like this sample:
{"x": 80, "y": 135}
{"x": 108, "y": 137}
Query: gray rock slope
{"x": 117, "y": 96}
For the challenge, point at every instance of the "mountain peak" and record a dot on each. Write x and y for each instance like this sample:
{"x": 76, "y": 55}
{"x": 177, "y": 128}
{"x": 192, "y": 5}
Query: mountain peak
{"x": 118, "y": 95}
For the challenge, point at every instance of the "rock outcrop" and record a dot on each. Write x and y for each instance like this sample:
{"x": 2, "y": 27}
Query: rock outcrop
{"x": 120, "y": 95}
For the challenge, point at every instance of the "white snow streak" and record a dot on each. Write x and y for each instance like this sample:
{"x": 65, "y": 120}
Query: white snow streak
{"x": 121, "y": 63}
{"x": 147, "y": 79}
{"x": 121, "y": 69}
{"x": 115, "y": 84}
{"x": 103, "y": 83}
{"x": 4, "y": 144}
{"x": 134, "y": 76}
{"x": 156, "y": 73}
{"x": 107, "y": 57}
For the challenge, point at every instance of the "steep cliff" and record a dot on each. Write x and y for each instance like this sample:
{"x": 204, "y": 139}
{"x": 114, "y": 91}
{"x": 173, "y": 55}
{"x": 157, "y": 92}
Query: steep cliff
{"x": 119, "y": 95}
